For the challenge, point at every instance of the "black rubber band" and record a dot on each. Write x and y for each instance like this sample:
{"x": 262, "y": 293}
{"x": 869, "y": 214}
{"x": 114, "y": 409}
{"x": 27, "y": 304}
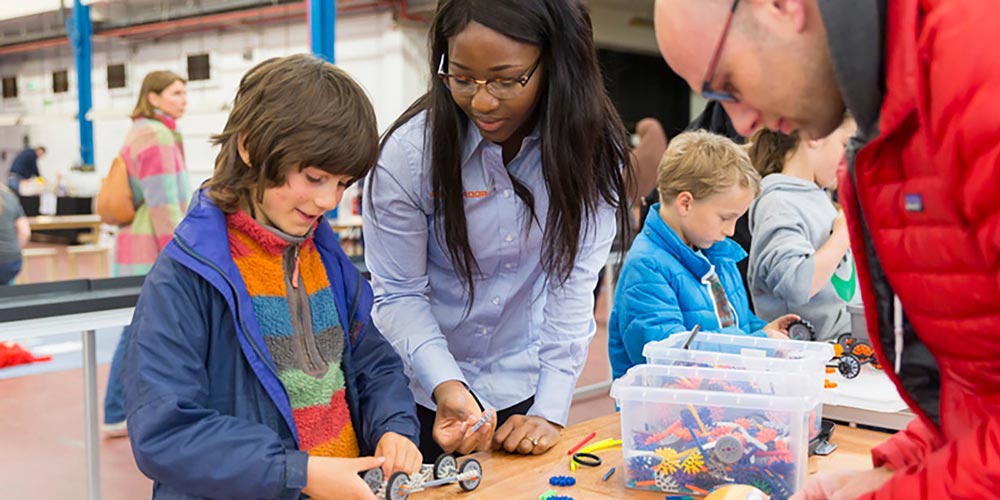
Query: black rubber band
{"x": 587, "y": 459}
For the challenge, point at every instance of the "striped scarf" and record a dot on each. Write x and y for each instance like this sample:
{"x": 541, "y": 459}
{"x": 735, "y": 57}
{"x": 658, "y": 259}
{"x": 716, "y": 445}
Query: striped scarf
{"x": 302, "y": 331}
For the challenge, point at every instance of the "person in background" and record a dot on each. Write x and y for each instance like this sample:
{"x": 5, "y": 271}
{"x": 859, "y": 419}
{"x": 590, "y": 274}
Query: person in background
{"x": 14, "y": 234}
{"x": 154, "y": 157}
{"x": 252, "y": 368}
{"x": 681, "y": 270}
{"x": 24, "y": 166}
{"x": 800, "y": 255}
{"x": 493, "y": 206}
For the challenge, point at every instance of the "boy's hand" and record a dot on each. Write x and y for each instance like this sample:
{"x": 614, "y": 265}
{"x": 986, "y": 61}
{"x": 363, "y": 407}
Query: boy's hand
{"x": 843, "y": 485}
{"x": 457, "y": 412}
{"x": 778, "y": 329}
{"x": 400, "y": 454}
{"x": 330, "y": 478}
{"x": 526, "y": 435}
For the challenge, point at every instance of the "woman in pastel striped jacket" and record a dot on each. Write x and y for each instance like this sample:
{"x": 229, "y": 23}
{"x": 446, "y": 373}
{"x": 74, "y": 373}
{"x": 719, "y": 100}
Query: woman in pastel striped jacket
{"x": 154, "y": 156}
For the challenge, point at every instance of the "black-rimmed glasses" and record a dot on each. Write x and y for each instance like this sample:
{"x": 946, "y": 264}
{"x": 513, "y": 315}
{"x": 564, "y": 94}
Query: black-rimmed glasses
{"x": 501, "y": 88}
{"x": 713, "y": 64}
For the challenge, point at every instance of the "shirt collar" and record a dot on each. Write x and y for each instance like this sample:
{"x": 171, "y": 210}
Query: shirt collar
{"x": 473, "y": 139}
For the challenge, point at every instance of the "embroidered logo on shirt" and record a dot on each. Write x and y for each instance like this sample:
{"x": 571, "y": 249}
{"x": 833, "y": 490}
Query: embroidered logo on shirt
{"x": 468, "y": 194}
{"x": 913, "y": 202}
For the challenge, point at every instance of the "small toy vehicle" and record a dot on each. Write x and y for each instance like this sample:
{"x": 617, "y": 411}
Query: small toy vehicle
{"x": 444, "y": 471}
{"x": 850, "y": 353}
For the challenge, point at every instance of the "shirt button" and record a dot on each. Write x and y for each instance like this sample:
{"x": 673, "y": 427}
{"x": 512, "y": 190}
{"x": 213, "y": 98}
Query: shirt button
{"x": 506, "y": 193}
{"x": 509, "y": 238}
{"x": 496, "y": 300}
{"x": 474, "y": 363}
{"x": 508, "y": 266}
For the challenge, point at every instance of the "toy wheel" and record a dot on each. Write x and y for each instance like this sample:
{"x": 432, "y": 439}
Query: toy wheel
{"x": 728, "y": 450}
{"x": 374, "y": 478}
{"x": 396, "y": 488}
{"x": 801, "y": 330}
{"x": 849, "y": 366}
{"x": 863, "y": 351}
{"x": 845, "y": 341}
{"x": 445, "y": 466}
{"x": 471, "y": 465}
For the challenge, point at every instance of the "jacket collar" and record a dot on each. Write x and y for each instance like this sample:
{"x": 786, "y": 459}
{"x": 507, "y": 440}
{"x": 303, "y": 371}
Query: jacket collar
{"x": 664, "y": 237}
{"x": 856, "y": 37}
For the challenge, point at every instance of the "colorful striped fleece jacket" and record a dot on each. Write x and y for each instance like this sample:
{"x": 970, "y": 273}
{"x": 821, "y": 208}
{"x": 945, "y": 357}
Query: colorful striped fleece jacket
{"x": 154, "y": 156}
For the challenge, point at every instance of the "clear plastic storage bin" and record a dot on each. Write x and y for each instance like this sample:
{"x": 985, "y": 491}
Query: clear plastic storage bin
{"x": 689, "y": 429}
{"x": 742, "y": 352}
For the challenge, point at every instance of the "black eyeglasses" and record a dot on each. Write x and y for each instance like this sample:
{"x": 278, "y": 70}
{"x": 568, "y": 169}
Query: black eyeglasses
{"x": 501, "y": 88}
{"x": 713, "y": 64}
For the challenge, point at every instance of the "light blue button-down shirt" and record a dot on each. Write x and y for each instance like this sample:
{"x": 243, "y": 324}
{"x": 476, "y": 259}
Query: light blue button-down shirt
{"x": 524, "y": 335}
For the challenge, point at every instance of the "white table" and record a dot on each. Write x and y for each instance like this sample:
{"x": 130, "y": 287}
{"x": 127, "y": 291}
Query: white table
{"x": 869, "y": 399}
{"x": 86, "y": 323}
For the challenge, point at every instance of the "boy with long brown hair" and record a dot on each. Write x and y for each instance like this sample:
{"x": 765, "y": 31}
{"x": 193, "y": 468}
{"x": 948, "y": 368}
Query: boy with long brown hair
{"x": 253, "y": 369}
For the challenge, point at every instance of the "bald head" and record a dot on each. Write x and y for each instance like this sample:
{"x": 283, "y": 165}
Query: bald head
{"x": 687, "y": 32}
{"x": 775, "y": 60}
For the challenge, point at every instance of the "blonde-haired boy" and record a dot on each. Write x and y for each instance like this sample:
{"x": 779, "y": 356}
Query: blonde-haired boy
{"x": 681, "y": 270}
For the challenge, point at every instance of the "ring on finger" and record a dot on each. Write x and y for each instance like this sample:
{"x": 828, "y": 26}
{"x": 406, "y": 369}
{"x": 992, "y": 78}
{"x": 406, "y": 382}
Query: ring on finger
{"x": 534, "y": 441}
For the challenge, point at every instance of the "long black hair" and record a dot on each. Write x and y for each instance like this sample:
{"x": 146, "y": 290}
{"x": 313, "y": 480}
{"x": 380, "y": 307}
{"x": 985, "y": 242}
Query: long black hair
{"x": 583, "y": 140}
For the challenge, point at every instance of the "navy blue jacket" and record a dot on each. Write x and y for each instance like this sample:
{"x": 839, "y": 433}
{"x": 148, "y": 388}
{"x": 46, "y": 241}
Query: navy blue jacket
{"x": 207, "y": 414}
{"x": 25, "y": 164}
{"x": 660, "y": 292}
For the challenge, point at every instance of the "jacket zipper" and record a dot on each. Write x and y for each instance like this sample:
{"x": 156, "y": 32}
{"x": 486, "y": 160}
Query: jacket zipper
{"x": 236, "y": 303}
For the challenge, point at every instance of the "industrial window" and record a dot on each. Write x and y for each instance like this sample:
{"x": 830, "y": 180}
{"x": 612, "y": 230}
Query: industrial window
{"x": 116, "y": 76}
{"x": 198, "y": 67}
{"x": 9, "y": 87}
{"x": 60, "y": 81}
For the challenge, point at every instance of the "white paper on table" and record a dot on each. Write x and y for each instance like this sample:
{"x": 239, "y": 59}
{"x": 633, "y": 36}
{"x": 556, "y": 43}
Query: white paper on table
{"x": 47, "y": 204}
{"x": 871, "y": 390}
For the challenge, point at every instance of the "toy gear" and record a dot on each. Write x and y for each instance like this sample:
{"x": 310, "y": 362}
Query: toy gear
{"x": 801, "y": 329}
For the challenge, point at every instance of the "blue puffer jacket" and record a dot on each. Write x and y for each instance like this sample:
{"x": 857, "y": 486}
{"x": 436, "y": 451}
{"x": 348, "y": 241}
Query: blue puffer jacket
{"x": 207, "y": 415}
{"x": 660, "y": 292}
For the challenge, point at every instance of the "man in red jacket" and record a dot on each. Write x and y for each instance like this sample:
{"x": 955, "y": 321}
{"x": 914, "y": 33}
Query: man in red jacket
{"x": 922, "y": 79}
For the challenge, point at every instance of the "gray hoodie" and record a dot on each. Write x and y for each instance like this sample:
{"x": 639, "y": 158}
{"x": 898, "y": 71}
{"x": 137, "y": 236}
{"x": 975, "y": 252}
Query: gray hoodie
{"x": 789, "y": 221}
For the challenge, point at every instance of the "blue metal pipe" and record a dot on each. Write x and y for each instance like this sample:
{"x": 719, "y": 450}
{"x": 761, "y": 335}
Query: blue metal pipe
{"x": 322, "y": 19}
{"x": 79, "y": 30}
{"x": 322, "y": 28}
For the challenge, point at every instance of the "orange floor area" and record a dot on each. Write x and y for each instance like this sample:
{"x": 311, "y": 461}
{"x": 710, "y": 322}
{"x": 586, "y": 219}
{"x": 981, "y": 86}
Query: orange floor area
{"x": 42, "y": 443}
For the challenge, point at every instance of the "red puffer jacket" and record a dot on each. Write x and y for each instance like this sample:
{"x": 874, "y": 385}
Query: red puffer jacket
{"x": 923, "y": 206}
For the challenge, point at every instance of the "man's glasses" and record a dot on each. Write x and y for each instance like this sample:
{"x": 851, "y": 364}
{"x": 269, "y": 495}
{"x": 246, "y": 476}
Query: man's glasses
{"x": 713, "y": 64}
{"x": 501, "y": 88}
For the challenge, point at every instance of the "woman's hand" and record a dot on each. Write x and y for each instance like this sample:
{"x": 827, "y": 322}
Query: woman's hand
{"x": 400, "y": 454}
{"x": 329, "y": 478}
{"x": 457, "y": 412}
{"x": 526, "y": 435}
{"x": 778, "y": 329}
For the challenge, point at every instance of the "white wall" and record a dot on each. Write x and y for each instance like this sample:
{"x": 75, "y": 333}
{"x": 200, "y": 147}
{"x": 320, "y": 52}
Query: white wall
{"x": 387, "y": 59}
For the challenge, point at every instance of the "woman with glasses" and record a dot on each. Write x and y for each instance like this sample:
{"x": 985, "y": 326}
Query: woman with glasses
{"x": 491, "y": 210}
